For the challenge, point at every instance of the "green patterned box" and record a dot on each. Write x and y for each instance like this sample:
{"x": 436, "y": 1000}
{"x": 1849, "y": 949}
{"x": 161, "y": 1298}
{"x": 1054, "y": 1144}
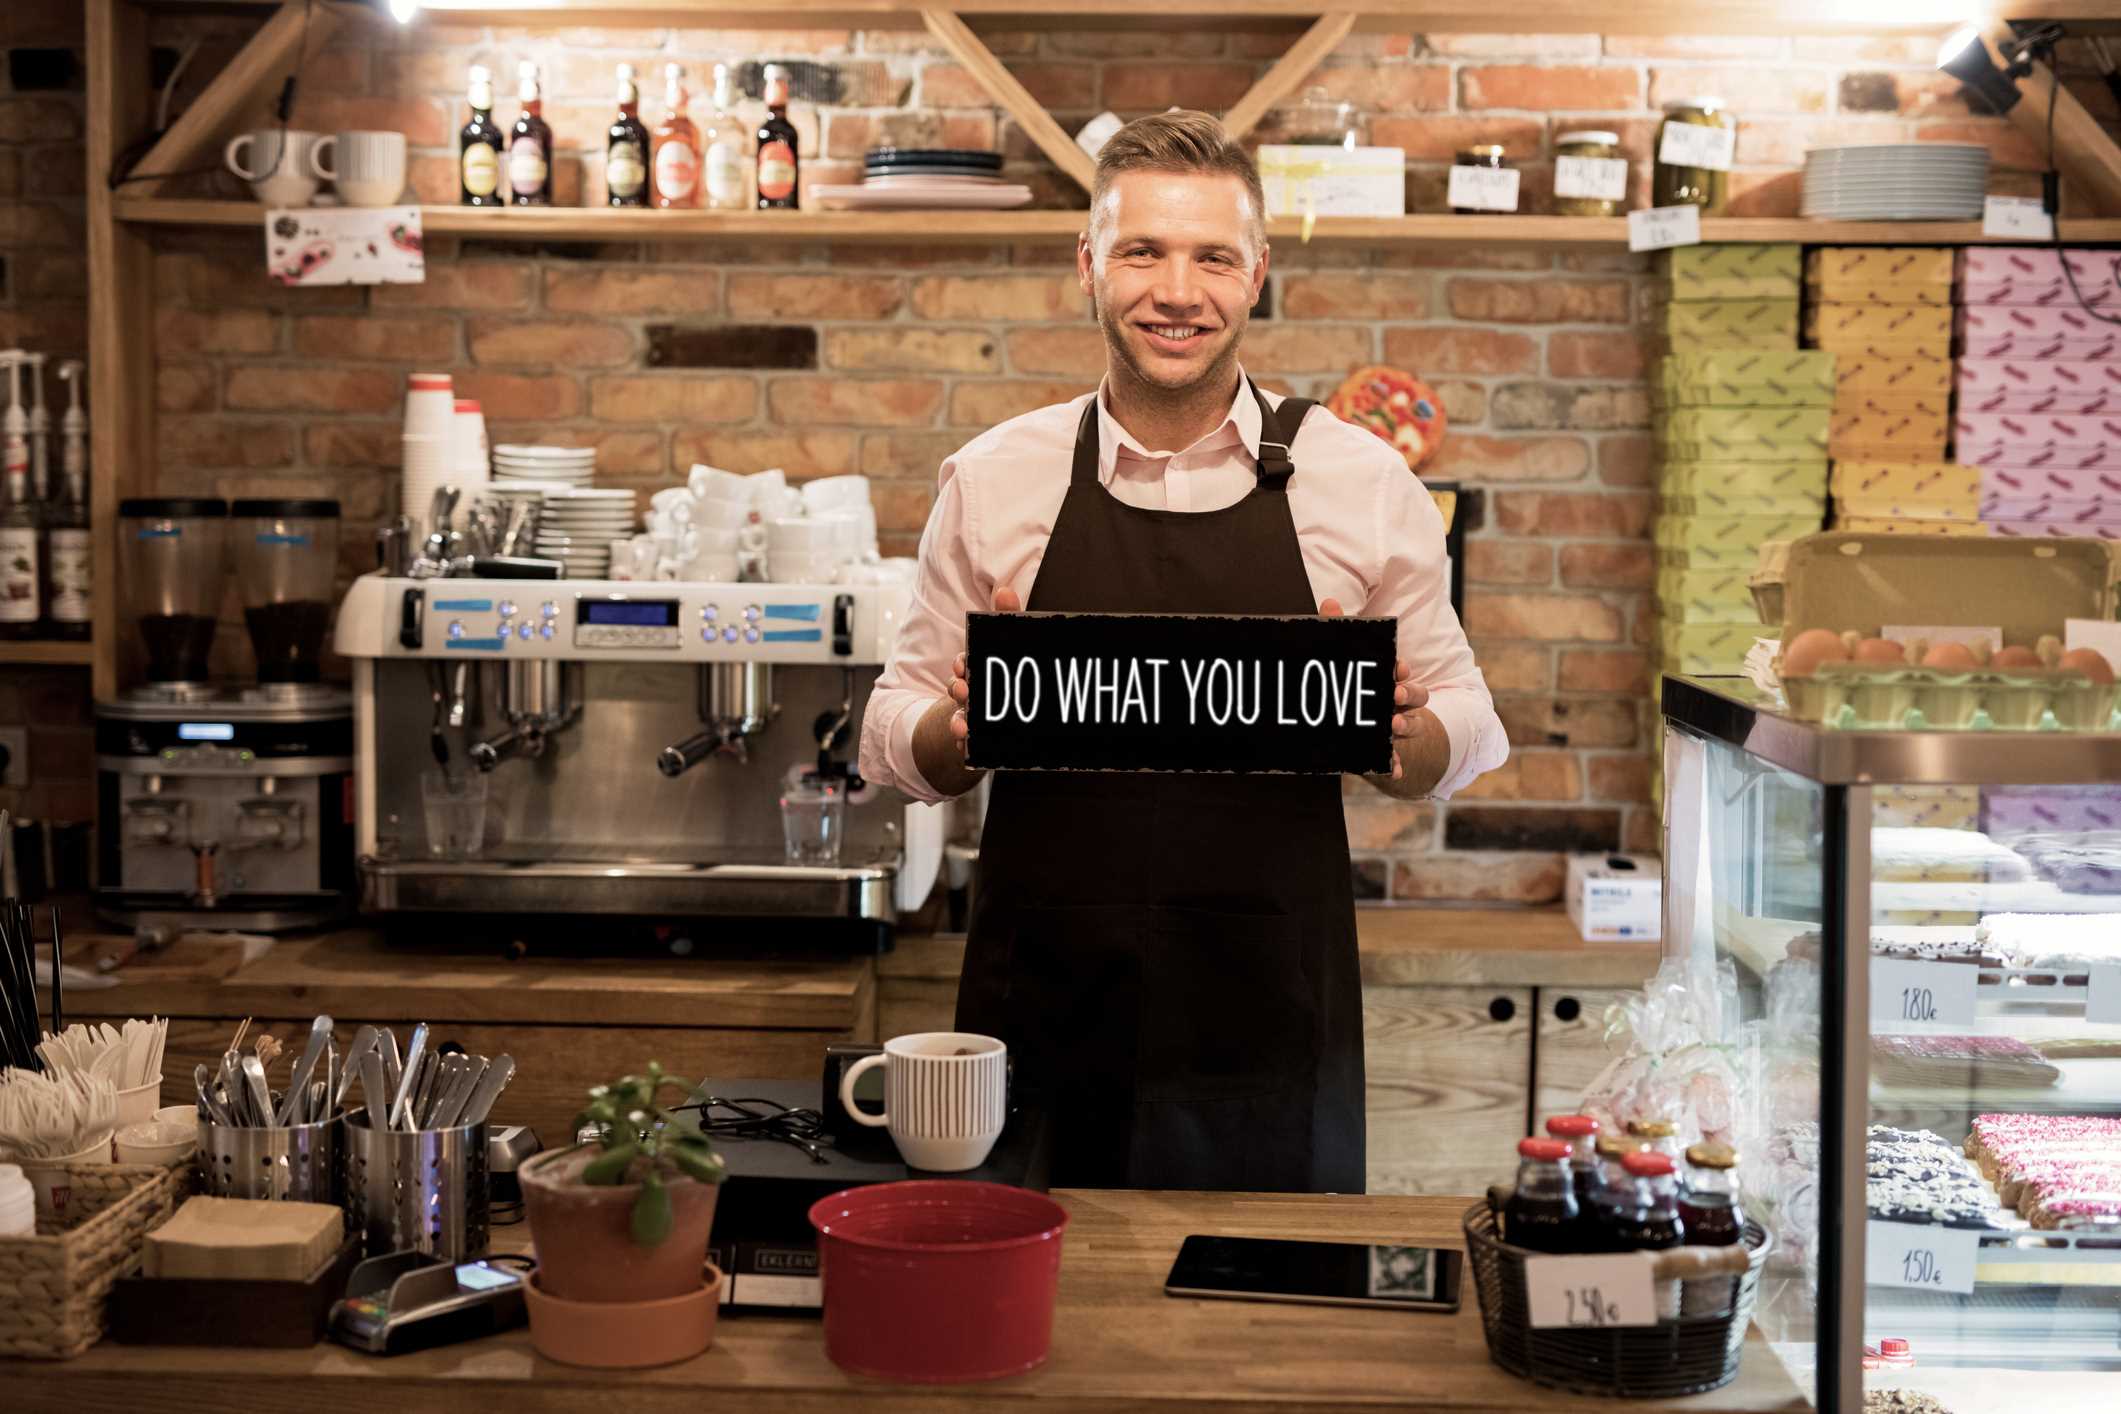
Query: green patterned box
{"x": 1804, "y": 476}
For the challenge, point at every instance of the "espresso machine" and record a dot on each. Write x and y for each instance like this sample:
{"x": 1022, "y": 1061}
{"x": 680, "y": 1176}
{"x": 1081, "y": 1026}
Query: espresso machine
{"x": 226, "y": 803}
{"x": 555, "y": 748}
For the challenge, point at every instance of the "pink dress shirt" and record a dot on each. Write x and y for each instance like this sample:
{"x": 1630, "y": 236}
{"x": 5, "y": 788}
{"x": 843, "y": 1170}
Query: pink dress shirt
{"x": 1370, "y": 533}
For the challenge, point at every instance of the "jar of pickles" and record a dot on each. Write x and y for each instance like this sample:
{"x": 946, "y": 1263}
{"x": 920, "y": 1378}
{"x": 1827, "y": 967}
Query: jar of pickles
{"x": 1680, "y": 184}
{"x": 1489, "y": 155}
{"x": 1593, "y": 146}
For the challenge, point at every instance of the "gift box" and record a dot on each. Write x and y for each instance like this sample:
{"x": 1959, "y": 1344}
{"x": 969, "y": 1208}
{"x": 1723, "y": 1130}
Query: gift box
{"x": 1300, "y": 179}
{"x": 1832, "y": 266}
{"x": 1750, "y": 478}
{"x": 1870, "y": 372}
{"x": 1859, "y": 326}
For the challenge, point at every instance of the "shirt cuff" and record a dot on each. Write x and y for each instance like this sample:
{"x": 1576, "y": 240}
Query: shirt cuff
{"x": 898, "y": 751}
{"x": 1461, "y": 731}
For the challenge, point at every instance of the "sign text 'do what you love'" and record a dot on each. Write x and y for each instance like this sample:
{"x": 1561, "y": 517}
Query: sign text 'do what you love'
{"x": 1174, "y": 692}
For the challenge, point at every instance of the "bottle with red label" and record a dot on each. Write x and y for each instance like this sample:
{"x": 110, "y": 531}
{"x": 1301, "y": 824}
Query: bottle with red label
{"x": 677, "y": 147}
{"x": 529, "y": 145}
{"x": 1709, "y": 1208}
{"x": 778, "y": 163}
{"x": 1542, "y": 1214}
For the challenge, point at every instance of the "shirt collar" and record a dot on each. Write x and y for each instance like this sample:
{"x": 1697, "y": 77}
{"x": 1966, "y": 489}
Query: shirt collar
{"x": 1243, "y": 417}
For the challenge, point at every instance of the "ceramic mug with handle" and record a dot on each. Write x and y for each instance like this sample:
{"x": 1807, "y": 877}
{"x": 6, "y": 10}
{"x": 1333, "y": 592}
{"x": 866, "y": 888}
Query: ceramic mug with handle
{"x": 946, "y": 1095}
{"x": 276, "y": 177}
{"x": 367, "y": 168}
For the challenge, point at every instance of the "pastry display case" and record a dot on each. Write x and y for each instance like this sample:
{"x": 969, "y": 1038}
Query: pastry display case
{"x": 1920, "y": 933}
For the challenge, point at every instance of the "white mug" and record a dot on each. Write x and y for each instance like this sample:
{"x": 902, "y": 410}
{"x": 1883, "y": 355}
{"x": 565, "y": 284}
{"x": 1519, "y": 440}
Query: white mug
{"x": 834, "y": 493}
{"x": 946, "y": 1094}
{"x": 276, "y": 179}
{"x": 368, "y": 168}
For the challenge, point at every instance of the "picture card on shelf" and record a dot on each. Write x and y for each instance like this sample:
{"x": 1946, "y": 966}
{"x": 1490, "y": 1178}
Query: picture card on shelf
{"x": 1173, "y": 692}
{"x": 345, "y": 245}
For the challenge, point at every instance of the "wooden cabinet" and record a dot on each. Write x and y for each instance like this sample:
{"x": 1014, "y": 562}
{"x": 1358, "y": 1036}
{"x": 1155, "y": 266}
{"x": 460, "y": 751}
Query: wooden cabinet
{"x": 1449, "y": 1069}
{"x": 1571, "y": 1047}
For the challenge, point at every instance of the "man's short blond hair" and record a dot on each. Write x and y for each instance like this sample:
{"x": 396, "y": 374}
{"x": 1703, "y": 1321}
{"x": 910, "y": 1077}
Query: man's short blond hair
{"x": 1183, "y": 141}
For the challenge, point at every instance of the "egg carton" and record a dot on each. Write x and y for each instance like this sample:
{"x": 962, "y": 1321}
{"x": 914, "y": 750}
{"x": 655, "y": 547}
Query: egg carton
{"x": 1851, "y": 696}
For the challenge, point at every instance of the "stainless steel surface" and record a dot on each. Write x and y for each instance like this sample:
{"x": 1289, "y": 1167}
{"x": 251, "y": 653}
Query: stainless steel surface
{"x": 375, "y": 1088}
{"x": 210, "y": 1095}
{"x": 854, "y": 893}
{"x": 538, "y": 699}
{"x": 479, "y": 1104}
{"x": 418, "y": 1191}
{"x": 364, "y": 1041}
{"x": 298, "y": 1163}
{"x": 409, "y": 1076}
{"x": 1734, "y": 711}
{"x": 231, "y": 703}
{"x": 298, "y": 1083}
{"x": 257, "y": 1093}
{"x": 736, "y": 704}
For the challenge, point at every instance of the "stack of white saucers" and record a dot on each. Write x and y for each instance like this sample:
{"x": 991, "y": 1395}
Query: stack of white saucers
{"x": 1906, "y": 181}
{"x": 577, "y": 526}
{"x": 572, "y": 466}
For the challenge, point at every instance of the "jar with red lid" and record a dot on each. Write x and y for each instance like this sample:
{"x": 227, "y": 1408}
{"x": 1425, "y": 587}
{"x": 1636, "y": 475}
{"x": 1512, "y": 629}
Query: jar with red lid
{"x": 1542, "y": 1214}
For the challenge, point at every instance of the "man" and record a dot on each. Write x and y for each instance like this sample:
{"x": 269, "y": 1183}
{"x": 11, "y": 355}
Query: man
{"x": 1171, "y": 958}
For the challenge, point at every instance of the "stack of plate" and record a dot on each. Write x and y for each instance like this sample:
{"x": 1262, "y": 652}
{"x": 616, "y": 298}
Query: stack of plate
{"x": 1908, "y": 181}
{"x": 577, "y": 526}
{"x": 571, "y": 466}
{"x": 912, "y": 178}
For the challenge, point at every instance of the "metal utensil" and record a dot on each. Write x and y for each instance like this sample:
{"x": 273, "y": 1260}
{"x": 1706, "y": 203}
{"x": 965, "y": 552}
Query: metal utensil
{"x": 364, "y": 1041}
{"x": 258, "y": 1095}
{"x": 215, "y": 1110}
{"x": 449, "y": 1114}
{"x": 423, "y": 1090}
{"x": 393, "y": 1068}
{"x": 488, "y": 1090}
{"x": 234, "y": 1092}
{"x": 409, "y": 1078}
{"x": 438, "y": 688}
{"x": 372, "y": 1090}
{"x": 305, "y": 1069}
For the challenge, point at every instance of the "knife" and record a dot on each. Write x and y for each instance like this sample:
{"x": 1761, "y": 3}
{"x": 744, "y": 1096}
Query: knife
{"x": 297, "y": 1097}
{"x": 488, "y": 1090}
{"x": 364, "y": 1037}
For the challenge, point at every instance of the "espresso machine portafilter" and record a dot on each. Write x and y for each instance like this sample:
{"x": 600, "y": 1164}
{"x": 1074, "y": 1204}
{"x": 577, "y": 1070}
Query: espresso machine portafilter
{"x": 539, "y": 698}
{"x": 736, "y": 704}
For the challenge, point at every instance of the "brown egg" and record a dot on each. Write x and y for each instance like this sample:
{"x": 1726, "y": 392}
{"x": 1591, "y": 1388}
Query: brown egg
{"x": 2090, "y": 662}
{"x": 1809, "y": 649}
{"x": 1950, "y": 658}
{"x": 1880, "y": 652}
{"x": 2014, "y": 659}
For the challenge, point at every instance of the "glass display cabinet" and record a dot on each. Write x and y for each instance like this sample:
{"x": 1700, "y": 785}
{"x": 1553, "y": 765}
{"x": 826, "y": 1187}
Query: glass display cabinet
{"x": 1923, "y": 931}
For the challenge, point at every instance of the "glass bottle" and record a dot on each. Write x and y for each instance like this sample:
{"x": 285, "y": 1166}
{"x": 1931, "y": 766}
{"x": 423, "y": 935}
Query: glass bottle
{"x": 626, "y": 149}
{"x": 677, "y": 147}
{"x": 529, "y": 144}
{"x": 1649, "y": 1221}
{"x": 1713, "y": 1218}
{"x": 21, "y": 521}
{"x": 479, "y": 147}
{"x": 1661, "y": 1135}
{"x": 779, "y": 165}
{"x": 1541, "y": 1215}
{"x": 726, "y": 148}
{"x": 70, "y": 595}
{"x": 1674, "y": 185}
{"x": 1580, "y": 1133}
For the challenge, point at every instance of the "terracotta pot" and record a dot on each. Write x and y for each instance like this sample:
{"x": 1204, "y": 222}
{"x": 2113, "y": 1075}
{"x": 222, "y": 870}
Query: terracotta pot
{"x": 584, "y": 1237}
{"x": 623, "y": 1335}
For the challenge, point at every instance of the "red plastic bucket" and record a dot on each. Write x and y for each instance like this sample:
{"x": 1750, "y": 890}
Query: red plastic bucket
{"x": 938, "y": 1280}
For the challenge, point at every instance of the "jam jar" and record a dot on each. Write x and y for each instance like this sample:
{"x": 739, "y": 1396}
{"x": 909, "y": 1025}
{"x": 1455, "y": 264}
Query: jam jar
{"x": 1672, "y": 185}
{"x": 1587, "y": 144}
{"x": 1487, "y": 154}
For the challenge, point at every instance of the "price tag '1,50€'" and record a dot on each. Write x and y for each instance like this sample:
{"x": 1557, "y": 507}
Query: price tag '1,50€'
{"x": 1925, "y": 1256}
{"x": 1590, "y": 1292}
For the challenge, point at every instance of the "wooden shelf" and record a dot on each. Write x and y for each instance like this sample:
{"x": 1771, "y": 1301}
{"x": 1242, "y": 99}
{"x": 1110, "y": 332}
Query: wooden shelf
{"x": 46, "y": 653}
{"x": 596, "y": 223}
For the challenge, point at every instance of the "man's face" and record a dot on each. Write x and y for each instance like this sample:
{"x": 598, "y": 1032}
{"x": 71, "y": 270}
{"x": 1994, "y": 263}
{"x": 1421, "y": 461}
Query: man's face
{"x": 1170, "y": 268}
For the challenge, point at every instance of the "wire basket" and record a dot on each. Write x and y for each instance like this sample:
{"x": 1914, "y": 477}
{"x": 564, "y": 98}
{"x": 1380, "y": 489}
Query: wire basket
{"x": 54, "y": 1287}
{"x": 1674, "y": 1357}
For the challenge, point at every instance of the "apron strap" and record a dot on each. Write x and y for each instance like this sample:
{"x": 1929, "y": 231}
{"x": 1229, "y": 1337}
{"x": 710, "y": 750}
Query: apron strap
{"x": 1085, "y": 468}
{"x": 1277, "y": 433}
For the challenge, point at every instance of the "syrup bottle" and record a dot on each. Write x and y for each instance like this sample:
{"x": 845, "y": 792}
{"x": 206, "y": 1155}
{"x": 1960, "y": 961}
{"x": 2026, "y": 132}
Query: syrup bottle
{"x": 1650, "y": 1221}
{"x": 1542, "y": 1215}
{"x": 726, "y": 149}
{"x": 1581, "y": 1134}
{"x": 778, "y": 163}
{"x": 677, "y": 147}
{"x": 1659, "y": 1134}
{"x": 70, "y": 577}
{"x": 1710, "y": 1212}
{"x": 529, "y": 144}
{"x": 479, "y": 147}
{"x": 626, "y": 151}
{"x": 1613, "y": 1188}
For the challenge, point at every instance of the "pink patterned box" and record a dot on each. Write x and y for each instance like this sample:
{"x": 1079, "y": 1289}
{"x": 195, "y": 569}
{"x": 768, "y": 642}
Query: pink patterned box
{"x": 2010, "y": 452}
{"x": 2049, "y": 530}
{"x": 2031, "y": 348}
{"x": 2038, "y": 440}
{"x": 2105, "y": 296}
{"x": 2030, "y": 385}
{"x": 2051, "y": 510}
{"x": 2050, "y": 483}
{"x": 2048, "y": 323}
{"x": 1999, "y": 265}
{"x": 2019, "y": 810}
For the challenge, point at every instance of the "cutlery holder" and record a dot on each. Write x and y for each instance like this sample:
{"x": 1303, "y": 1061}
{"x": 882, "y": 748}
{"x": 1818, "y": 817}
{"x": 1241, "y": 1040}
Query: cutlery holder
{"x": 417, "y": 1190}
{"x": 299, "y": 1164}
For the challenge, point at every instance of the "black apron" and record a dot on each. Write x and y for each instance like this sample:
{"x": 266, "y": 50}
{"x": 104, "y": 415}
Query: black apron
{"x": 1171, "y": 957}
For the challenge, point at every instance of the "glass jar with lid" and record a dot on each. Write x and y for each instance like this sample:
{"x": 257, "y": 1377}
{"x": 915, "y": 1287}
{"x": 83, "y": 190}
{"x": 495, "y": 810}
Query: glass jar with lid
{"x": 1705, "y": 187}
{"x": 1319, "y": 121}
{"x": 1603, "y": 146}
{"x": 1491, "y": 155}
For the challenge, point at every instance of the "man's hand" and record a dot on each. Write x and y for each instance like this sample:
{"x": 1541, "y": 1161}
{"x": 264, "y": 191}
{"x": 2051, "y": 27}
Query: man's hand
{"x": 1407, "y": 696}
{"x": 939, "y": 736}
{"x": 1006, "y": 601}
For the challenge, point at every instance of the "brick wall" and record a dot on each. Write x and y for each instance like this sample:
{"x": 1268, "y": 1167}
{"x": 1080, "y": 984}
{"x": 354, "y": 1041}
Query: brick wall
{"x": 884, "y": 360}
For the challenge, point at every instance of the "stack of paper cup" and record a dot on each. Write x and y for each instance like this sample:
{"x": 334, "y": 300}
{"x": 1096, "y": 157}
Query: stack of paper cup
{"x": 428, "y": 463}
{"x": 468, "y": 459}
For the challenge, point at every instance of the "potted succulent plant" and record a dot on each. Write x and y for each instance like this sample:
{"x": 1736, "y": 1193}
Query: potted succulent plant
{"x": 620, "y": 1224}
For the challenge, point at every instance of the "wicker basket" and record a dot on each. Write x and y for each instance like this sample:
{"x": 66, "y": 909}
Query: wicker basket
{"x": 53, "y": 1287}
{"x": 1676, "y": 1357}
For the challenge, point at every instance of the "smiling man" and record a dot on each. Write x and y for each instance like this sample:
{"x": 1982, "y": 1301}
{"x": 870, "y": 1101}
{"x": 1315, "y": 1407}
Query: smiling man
{"x": 1171, "y": 958}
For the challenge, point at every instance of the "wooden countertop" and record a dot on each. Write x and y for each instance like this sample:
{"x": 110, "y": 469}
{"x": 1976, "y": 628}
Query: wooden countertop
{"x": 1119, "y": 1344}
{"x": 1409, "y": 947}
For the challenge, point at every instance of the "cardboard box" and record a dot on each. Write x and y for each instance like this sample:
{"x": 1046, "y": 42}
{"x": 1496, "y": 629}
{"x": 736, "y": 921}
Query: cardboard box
{"x": 1853, "y": 326}
{"x": 1708, "y": 647}
{"x": 1725, "y": 259}
{"x": 2066, "y": 432}
{"x": 1775, "y": 366}
{"x": 2035, "y": 266}
{"x": 1741, "y": 395}
{"x": 1616, "y": 897}
{"x": 2036, "y": 348}
{"x": 2009, "y": 452}
{"x": 2084, "y": 402}
{"x": 238, "y": 1238}
{"x": 1744, "y": 533}
{"x": 1333, "y": 181}
{"x": 1871, "y": 427}
{"x": 1734, "y": 450}
{"x": 2050, "y": 530}
{"x": 1829, "y": 266}
{"x": 1904, "y": 525}
{"x": 1798, "y": 476}
{"x": 1877, "y": 508}
{"x": 1926, "y": 807}
{"x": 1722, "y": 503}
{"x": 2094, "y": 515}
{"x": 1929, "y": 451}
{"x": 2088, "y": 295}
{"x": 2030, "y": 323}
{"x": 1799, "y": 425}
{"x": 1879, "y": 293}
{"x": 1738, "y": 554}
{"x": 1951, "y": 482}
{"x": 1718, "y": 586}
{"x": 2018, "y": 810}
{"x": 2049, "y": 482}
{"x": 1871, "y": 372}
{"x": 1753, "y": 318}
{"x": 1732, "y": 287}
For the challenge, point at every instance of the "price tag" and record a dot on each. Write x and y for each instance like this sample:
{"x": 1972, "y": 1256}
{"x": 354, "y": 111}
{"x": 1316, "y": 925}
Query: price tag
{"x": 2102, "y": 1001}
{"x": 1590, "y": 1291}
{"x": 2016, "y": 218}
{"x": 1484, "y": 188}
{"x": 1907, "y": 995}
{"x": 1593, "y": 178}
{"x": 1922, "y": 1255}
{"x": 1693, "y": 145}
{"x": 1662, "y": 227}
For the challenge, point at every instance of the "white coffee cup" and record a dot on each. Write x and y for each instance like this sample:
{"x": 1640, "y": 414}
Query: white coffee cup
{"x": 275, "y": 179}
{"x": 704, "y": 480}
{"x": 946, "y": 1094}
{"x": 718, "y": 514}
{"x": 367, "y": 168}
{"x": 835, "y": 493}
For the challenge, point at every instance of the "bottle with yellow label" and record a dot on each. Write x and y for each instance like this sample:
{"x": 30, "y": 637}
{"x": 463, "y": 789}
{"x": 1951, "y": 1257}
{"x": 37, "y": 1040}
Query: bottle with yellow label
{"x": 479, "y": 147}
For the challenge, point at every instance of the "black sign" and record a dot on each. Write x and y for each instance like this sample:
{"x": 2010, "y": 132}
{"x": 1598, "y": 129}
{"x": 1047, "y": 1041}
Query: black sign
{"x": 1175, "y": 692}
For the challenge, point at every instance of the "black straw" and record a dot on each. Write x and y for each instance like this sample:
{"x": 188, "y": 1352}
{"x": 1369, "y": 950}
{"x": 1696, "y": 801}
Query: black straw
{"x": 58, "y": 976}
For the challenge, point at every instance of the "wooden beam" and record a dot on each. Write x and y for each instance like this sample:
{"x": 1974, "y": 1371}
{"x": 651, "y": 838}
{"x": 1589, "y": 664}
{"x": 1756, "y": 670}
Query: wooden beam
{"x": 1289, "y": 70}
{"x": 2083, "y": 153}
{"x": 286, "y": 41}
{"x": 121, "y": 345}
{"x": 1001, "y": 85}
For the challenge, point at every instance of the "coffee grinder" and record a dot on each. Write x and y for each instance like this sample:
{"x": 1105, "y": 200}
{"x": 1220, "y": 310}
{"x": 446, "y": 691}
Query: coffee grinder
{"x": 227, "y": 801}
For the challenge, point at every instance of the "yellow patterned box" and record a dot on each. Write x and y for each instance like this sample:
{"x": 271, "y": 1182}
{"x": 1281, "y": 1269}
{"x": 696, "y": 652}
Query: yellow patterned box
{"x": 1903, "y": 350}
{"x": 1749, "y": 318}
{"x": 1872, "y": 452}
{"x": 1711, "y": 557}
{"x": 1707, "y": 648}
{"x": 1747, "y": 258}
{"x": 1864, "y": 428}
{"x": 1880, "y": 293}
{"x": 1738, "y": 449}
{"x": 1893, "y": 525}
{"x": 1728, "y": 587}
{"x": 1740, "y": 395}
{"x": 1884, "y": 508}
{"x": 1746, "y": 377}
{"x": 1933, "y": 481}
{"x": 1723, "y": 503}
{"x": 1927, "y": 374}
{"x": 1805, "y": 477}
{"x": 1712, "y": 424}
{"x": 1853, "y": 326}
{"x": 1705, "y": 611}
{"x": 1927, "y": 807}
{"x": 1829, "y": 266}
{"x": 1868, "y": 400}
{"x": 1730, "y": 532}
